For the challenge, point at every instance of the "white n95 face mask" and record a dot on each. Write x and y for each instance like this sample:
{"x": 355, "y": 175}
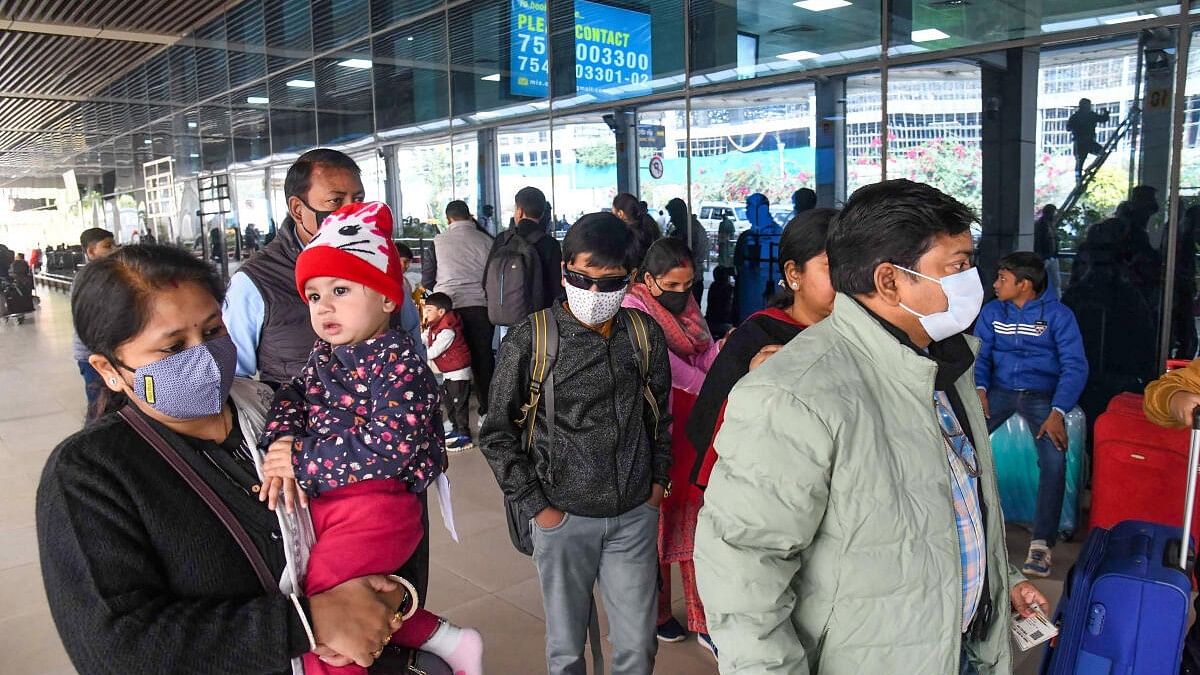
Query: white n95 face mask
{"x": 593, "y": 308}
{"x": 964, "y": 298}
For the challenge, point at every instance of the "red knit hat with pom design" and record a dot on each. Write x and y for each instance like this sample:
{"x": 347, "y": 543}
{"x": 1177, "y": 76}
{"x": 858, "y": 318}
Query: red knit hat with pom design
{"x": 355, "y": 244}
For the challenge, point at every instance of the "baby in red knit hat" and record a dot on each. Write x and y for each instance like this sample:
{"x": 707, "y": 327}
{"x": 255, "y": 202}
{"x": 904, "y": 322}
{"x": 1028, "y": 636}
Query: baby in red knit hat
{"x": 360, "y": 430}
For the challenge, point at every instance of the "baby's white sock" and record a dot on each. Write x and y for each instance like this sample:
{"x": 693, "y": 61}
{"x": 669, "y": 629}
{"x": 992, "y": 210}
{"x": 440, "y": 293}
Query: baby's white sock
{"x": 461, "y": 648}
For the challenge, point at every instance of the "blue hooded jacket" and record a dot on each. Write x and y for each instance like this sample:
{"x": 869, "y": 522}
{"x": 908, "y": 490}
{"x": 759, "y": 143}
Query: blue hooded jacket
{"x": 1036, "y": 348}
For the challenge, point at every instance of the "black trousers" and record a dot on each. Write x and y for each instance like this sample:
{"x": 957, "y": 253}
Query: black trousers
{"x": 478, "y": 332}
{"x": 456, "y": 400}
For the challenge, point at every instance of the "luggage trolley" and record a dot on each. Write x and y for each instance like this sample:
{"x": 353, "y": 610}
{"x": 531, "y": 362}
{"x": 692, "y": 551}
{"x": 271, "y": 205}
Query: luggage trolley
{"x": 16, "y": 302}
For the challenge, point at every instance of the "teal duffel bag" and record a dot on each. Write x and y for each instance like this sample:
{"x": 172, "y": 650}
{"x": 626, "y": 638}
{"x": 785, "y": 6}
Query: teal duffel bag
{"x": 1015, "y": 455}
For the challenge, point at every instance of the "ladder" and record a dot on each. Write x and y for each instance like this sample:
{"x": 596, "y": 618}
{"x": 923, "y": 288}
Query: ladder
{"x": 216, "y": 202}
{"x": 161, "y": 208}
{"x": 1090, "y": 171}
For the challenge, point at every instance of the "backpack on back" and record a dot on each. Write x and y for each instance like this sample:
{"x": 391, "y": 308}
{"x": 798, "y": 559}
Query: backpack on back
{"x": 512, "y": 279}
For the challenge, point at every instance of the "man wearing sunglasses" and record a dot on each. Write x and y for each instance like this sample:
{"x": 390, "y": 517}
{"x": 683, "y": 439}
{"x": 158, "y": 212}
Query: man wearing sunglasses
{"x": 590, "y": 480}
{"x": 852, "y": 524}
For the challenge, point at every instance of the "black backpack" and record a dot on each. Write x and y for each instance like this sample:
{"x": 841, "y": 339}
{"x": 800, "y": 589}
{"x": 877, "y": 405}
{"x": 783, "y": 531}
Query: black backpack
{"x": 512, "y": 279}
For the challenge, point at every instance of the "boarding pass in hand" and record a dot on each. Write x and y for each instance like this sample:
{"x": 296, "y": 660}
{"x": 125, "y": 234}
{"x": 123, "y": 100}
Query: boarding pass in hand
{"x": 1032, "y": 631}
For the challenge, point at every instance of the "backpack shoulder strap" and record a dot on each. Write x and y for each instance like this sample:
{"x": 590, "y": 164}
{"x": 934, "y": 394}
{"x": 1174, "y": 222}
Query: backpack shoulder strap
{"x": 639, "y": 336}
{"x": 541, "y": 366}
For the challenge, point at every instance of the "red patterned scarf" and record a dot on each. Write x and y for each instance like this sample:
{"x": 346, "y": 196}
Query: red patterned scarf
{"x": 687, "y": 334}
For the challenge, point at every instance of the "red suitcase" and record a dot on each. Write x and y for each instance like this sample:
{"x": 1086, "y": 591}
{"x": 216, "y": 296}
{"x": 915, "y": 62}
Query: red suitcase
{"x": 1139, "y": 468}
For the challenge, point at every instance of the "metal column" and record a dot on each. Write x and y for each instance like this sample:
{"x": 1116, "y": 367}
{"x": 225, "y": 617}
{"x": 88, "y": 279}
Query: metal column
{"x": 830, "y": 135}
{"x": 624, "y": 126}
{"x": 489, "y": 174}
{"x": 1009, "y": 137}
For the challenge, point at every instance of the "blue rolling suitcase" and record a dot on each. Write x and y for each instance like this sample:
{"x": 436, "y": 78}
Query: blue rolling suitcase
{"x": 1125, "y": 605}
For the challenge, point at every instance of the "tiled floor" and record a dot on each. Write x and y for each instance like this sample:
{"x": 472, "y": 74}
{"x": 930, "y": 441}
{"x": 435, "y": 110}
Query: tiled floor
{"x": 479, "y": 582}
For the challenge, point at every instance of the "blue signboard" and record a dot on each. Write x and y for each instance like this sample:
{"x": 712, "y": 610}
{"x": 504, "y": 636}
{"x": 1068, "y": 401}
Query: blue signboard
{"x": 612, "y": 49}
{"x": 527, "y": 53}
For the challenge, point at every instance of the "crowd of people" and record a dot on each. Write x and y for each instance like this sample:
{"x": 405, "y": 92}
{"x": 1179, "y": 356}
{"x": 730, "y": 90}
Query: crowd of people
{"x": 253, "y": 475}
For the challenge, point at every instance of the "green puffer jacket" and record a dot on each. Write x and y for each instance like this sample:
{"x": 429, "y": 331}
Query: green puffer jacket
{"x": 827, "y": 542}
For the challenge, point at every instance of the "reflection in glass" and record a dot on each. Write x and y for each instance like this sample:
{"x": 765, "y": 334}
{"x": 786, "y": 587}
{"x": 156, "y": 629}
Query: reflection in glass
{"x": 339, "y": 22}
{"x": 934, "y": 128}
{"x": 741, "y": 144}
{"x": 187, "y": 143}
{"x": 250, "y": 129}
{"x": 293, "y": 103}
{"x": 426, "y": 183}
{"x": 921, "y": 27}
{"x": 182, "y": 59}
{"x": 288, "y": 25}
{"x": 409, "y": 67}
{"x": 373, "y": 175}
{"x": 216, "y": 152}
{"x": 466, "y": 170}
{"x": 738, "y": 41}
{"x": 585, "y": 180}
{"x": 251, "y": 206}
{"x": 864, "y": 116}
{"x": 516, "y": 147}
{"x": 246, "y": 33}
{"x": 384, "y": 13}
{"x": 343, "y": 87}
{"x": 212, "y": 68}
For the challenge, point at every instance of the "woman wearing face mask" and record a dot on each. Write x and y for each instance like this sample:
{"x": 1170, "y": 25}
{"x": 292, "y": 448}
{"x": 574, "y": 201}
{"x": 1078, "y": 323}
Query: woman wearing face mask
{"x": 146, "y": 570}
{"x": 663, "y": 290}
{"x": 643, "y": 228}
{"x": 805, "y": 297}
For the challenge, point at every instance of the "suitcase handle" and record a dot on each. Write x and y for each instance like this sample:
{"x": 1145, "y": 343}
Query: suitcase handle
{"x": 1190, "y": 501}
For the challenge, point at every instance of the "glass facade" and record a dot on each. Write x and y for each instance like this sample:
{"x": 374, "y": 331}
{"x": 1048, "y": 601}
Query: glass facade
{"x": 468, "y": 98}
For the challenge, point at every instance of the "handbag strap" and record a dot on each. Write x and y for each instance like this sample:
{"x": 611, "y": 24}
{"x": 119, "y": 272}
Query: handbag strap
{"x": 205, "y": 492}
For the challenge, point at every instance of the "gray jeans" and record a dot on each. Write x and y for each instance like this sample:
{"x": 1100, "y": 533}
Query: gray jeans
{"x": 621, "y": 554}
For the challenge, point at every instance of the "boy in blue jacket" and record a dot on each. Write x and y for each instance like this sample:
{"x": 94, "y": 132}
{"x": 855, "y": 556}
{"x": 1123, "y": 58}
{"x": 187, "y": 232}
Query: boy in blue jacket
{"x": 1032, "y": 363}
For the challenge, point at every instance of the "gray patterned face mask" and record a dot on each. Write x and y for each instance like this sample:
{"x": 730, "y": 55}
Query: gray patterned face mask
{"x": 191, "y": 384}
{"x": 593, "y": 308}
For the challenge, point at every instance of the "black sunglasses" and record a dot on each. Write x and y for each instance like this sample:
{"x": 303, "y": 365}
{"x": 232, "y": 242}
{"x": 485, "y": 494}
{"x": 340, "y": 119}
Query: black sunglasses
{"x": 604, "y": 284}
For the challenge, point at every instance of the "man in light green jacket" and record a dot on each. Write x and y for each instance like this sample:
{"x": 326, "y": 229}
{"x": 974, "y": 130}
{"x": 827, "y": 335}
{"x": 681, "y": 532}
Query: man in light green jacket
{"x": 852, "y": 524}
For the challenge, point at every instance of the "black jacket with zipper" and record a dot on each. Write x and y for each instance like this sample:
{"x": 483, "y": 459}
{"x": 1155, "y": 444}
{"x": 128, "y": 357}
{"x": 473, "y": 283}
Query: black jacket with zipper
{"x": 605, "y": 457}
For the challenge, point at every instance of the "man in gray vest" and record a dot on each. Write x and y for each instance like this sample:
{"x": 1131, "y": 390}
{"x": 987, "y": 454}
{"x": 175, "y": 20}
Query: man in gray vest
{"x": 266, "y": 318}
{"x": 462, "y": 254}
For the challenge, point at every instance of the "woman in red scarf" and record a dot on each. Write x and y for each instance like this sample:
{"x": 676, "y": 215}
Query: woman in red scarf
{"x": 664, "y": 291}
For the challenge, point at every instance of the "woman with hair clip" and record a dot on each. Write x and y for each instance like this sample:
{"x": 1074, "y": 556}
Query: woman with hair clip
{"x": 644, "y": 229}
{"x": 663, "y": 289}
{"x": 805, "y": 298}
{"x": 156, "y": 554}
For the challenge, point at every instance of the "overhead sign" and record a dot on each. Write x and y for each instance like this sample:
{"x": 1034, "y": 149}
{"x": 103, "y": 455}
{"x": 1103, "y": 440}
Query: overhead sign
{"x": 527, "y": 51}
{"x": 612, "y": 49}
{"x": 652, "y": 136}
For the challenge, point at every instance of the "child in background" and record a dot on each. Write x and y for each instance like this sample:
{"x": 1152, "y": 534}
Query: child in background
{"x": 1032, "y": 363}
{"x": 360, "y": 431}
{"x": 448, "y": 352}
